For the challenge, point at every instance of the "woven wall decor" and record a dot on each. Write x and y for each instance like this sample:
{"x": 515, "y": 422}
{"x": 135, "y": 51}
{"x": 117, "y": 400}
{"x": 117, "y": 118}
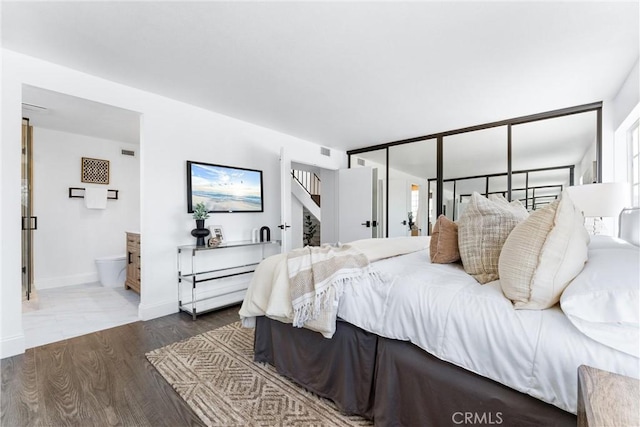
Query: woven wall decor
{"x": 95, "y": 170}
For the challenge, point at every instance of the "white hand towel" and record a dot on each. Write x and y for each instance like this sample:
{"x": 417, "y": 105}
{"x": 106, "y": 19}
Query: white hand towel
{"x": 95, "y": 198}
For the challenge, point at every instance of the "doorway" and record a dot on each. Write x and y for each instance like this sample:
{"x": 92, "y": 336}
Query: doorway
{"x": 293, "y": 229}
{"x": 63, "y": 235}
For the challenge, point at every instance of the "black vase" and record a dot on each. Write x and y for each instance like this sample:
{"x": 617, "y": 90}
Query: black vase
{"x": 200, "y": 232}
{"x": 265, "y": 234}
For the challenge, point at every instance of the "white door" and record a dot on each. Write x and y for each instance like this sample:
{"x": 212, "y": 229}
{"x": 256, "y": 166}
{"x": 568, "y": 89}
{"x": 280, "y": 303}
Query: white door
{"x": 355, "y": 204}
{"x": 399, "y": 207}
{"x": 285, "y": 201}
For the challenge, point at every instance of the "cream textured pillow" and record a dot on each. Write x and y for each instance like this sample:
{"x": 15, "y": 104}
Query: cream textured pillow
{"x": 443, "y": 248}
{"x": 483, "y": 228}
{"x": 543, "y": 254}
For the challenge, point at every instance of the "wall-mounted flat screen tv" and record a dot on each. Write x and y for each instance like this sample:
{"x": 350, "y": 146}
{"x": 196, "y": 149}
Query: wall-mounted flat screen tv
{"x": 224, "y": 188}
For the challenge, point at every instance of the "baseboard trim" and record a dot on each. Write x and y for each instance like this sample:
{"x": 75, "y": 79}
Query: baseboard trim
{"x": 58, "y": 282}
{"x": 12, "y": 346}
{"x": 148, "y": 312}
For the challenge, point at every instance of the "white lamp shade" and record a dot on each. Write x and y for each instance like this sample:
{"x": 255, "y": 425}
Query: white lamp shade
{"x": 600, "y": 200}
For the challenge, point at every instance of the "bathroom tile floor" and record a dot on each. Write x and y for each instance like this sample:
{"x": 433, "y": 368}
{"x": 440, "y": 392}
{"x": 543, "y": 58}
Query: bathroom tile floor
{"x": 72, "y": 311}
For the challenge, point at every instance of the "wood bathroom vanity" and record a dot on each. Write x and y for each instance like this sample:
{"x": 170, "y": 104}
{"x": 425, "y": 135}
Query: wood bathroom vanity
{"x": 133, "y": 262}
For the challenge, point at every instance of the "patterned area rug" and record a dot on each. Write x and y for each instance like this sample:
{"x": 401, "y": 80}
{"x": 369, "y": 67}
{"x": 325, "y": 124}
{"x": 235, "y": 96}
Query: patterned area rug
{"x": 215, "y": 374}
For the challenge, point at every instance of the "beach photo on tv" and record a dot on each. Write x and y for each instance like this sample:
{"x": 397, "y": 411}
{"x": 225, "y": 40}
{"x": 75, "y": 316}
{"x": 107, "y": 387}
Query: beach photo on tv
{"x": 226, "y": 189}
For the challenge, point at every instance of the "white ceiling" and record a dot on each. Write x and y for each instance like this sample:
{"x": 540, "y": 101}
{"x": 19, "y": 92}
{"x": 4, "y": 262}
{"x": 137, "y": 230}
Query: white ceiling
{"x": 71, "y": 114}
{"x": 344, "y": 74}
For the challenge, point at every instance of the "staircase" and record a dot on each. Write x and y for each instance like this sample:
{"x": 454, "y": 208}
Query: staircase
{"x": 310, "y": 182}
{"x": 305, "y": 186}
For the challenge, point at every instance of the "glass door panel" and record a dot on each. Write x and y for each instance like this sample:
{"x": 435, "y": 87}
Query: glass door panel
{"x": 28, "y": 221}
{"x": 411, "y": 166}
{"x": 549, "y": 155}
{"x": 470, "y": 160}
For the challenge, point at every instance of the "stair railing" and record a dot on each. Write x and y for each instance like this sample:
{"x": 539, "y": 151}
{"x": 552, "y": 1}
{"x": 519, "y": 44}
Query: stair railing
{"x": 309, "y": 181}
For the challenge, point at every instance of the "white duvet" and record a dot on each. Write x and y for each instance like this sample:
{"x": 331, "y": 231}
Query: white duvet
{"x": 446, "y": 312}
{"x": 268, "y": 293}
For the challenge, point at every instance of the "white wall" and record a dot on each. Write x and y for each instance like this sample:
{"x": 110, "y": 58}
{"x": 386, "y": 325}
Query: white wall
{"x": 171, "y": 133}
{"x": 297, "y": 226}
{"x": 626, "y": 111}
{"x": 615, "y": 111}
{"x": 70, "y": 236}
{"x": 627, "y": 97}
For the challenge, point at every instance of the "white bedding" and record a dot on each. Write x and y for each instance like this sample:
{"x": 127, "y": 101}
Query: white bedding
{"x": 446, "y": 312}
{"x": 268, "y": 293}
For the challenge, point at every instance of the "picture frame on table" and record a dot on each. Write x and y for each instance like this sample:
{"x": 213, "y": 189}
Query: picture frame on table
{"x": 217, "y": 231}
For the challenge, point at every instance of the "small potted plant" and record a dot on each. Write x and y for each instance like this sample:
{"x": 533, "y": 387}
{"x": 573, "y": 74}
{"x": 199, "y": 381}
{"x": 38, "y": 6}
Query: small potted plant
{"x": 200, "y": 213}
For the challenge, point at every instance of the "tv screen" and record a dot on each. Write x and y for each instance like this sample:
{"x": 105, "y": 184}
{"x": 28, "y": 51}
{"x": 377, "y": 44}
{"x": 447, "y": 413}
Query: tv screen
{"x": 224, "y": 188}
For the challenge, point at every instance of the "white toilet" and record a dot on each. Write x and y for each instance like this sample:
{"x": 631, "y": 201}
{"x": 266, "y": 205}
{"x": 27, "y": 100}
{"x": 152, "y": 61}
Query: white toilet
{"x": 112, "y": 270}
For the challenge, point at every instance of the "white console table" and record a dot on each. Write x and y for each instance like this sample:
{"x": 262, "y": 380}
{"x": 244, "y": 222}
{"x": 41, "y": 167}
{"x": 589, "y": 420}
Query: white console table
{"x": 205, "y": 292}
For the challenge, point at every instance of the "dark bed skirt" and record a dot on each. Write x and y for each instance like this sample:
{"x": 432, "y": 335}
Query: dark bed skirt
{"x": 393, "y": 382}
{"x": 341, "y": 369}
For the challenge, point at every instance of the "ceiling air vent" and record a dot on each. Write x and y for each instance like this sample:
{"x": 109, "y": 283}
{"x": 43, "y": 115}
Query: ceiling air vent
{"x": 360, "y": 162}
{"x": 35, "y": 108}
{"x": 325, "y": 151}
{"x": 128, "y": 153}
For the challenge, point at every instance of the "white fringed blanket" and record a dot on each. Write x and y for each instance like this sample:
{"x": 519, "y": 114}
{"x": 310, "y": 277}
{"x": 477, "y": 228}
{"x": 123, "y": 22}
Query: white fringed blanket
{"x": 270, "y": 294}
{"x": 315, "y": 271}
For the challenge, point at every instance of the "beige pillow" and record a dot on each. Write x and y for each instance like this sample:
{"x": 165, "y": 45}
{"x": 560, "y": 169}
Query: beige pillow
{"x": 483, "y": 228}
{"x": 443, "y": 248}
{"x": 543, "y": 254}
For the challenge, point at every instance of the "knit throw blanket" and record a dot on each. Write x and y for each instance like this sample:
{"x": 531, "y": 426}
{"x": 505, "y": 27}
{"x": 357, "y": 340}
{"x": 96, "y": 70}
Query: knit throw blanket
{"x": 314, "y": 271}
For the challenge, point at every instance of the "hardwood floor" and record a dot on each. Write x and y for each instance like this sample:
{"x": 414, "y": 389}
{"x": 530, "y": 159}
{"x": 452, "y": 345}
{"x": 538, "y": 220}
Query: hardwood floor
{"x": 103, "y": 378}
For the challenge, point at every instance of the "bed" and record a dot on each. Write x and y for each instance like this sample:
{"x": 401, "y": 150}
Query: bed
{"x": 429, "y": 345}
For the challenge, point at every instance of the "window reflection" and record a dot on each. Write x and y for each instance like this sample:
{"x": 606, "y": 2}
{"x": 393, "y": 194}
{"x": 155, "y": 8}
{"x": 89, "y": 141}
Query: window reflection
{"x": 470, "y": 160}
{"x": 556, "y": 152}
{"x": 410, "y": 167}
{"x": 547, "y": 155}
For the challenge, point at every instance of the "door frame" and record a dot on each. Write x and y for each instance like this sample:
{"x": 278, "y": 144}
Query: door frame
{"x": 328, "y": 207}
{"x": 28, "y": 221}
